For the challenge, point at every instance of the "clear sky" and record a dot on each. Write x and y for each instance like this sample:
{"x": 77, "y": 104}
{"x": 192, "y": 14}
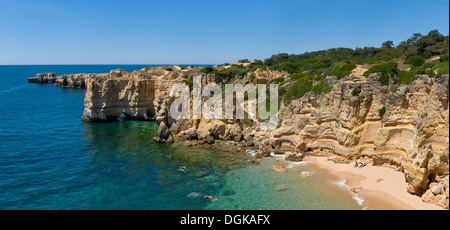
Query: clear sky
{"x": 203, "y": 31}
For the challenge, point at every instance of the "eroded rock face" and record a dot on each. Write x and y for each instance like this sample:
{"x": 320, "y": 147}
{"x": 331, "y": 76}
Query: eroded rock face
{"x": 412, "y": 135}
{"x": 107, "y": 99}
{"x": 76, "y": 80}
{"x": 163, "y": 134}
{"x": 135, "y": 95}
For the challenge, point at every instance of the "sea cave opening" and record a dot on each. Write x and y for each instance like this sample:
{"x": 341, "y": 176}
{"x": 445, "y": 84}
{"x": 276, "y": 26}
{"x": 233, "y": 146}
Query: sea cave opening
{"x": 123, "y": 117}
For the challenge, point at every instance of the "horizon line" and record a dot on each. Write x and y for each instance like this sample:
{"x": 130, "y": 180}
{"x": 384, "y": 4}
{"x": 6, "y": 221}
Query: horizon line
{"x": 116, "y": 64}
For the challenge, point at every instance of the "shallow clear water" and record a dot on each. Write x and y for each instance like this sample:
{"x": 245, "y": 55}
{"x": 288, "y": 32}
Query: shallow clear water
{"x": 50, "y": 159}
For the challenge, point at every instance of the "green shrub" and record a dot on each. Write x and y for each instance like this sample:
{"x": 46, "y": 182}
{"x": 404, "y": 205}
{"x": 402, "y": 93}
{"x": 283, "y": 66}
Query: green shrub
{"x": 262, "y": 81}
{"x": 190, "y": 83}
{"x": 382, "y": 111}
{"x": 386, "y": 70}
{"x": 207, "y": 69}
{"x": 295, "y": 77}
{"x": 405, "y": 77}
{"x": 278, "y": 80}
{"x": 415, "y": 61}
{"x": 237, "y": 66}
{"x": 169, "y": 69}
{"x": 395, "y": 89}
{"x": 255, "y": 67}
{"x": 444, "y": 158}
{"x": 427, "y": 54}
{"x": 355, "y": 92}
{"x": 322, "y": 87}
{"x": 231, "y": 72}
{"x": 444, "y": 69}
{"x": 299, "y": 88}
{"x": 148, "y": 68}
{"x": 444, "y": 58}
{"x": 242, "y": 73}
{"x": 342, "y": 70}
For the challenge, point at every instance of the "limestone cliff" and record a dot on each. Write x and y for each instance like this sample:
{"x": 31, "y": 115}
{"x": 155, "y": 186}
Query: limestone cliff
{"x": 399, "y": 126}
{"x": 411, "y": 136}
{"x": 134, "y": 94}
{"x": 76, "y": 80}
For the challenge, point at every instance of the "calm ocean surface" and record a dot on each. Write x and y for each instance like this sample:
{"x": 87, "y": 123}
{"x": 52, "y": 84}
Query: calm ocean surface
{"x": 50, "y": 159}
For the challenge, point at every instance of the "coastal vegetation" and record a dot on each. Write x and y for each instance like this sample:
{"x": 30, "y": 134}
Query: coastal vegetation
{"x": 419, "y": 54}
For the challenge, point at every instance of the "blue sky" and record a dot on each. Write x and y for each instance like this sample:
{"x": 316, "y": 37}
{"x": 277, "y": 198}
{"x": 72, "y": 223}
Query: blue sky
{"x": 201, "y": 31}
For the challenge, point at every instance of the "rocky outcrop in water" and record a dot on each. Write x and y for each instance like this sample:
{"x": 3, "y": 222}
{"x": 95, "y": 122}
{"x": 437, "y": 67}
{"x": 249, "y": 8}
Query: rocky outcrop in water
{"x": 134, "y": 94}
{"x": 43, "y": 78}
{"x": 66, "y": 80}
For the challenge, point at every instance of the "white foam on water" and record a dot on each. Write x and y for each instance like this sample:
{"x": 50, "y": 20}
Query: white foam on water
{"x": 12, "y": 89}
{"x": 358, "y": 199}
{"x": 281, "y": 156}
{"x": 341, "y": 184}
{"x": 308, "y": 173}
{"x": 293, "y": 164}
{"x": 251, "y": 152}
{"x": 229, "y": 143}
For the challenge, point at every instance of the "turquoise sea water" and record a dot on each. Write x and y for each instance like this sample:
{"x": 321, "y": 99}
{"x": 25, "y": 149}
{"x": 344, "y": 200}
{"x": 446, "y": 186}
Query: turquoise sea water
{"x": 50, "y": 159}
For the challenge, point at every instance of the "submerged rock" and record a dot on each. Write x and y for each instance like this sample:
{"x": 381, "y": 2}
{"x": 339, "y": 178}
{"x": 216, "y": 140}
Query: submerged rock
{"x": 43, "y": 78}
{"x": 190, "y": 143}
{"x": 279, "y": 167}
{"x": 282, "y": 188}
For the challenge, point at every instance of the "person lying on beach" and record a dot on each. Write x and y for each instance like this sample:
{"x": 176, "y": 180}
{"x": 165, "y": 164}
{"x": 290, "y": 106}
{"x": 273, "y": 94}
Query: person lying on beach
{"x": 360, "y": 165}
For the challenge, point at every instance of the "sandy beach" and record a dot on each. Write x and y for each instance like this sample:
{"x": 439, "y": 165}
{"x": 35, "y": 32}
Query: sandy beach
{"x": 382, "y": 188}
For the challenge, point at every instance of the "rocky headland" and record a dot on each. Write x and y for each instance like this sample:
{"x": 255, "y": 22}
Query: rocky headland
{"x": 405, "y": 127}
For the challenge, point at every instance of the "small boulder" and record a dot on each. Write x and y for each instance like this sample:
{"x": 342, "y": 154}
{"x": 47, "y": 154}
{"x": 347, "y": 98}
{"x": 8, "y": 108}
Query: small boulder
{"x": 163, "y": 133}
{"x": 209, "y": 139}
{"x": 356, "y": 189}
{"x": 254, "y": 161}
{"x": 117, "y": 73}
{"x": 189, "y": 134}
{"x": 437, "y": 189}
{"x": 296, "y": 157}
